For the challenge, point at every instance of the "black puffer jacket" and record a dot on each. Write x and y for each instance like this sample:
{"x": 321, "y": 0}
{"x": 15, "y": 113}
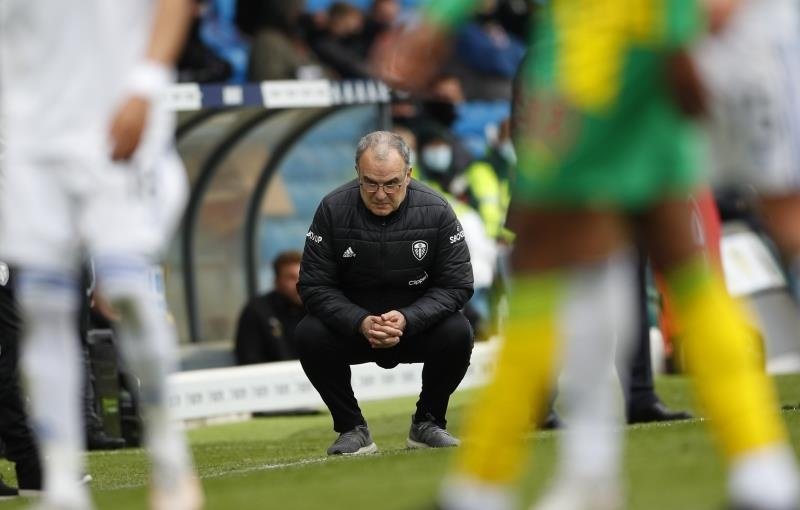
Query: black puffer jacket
{"x": 355, "y": 263}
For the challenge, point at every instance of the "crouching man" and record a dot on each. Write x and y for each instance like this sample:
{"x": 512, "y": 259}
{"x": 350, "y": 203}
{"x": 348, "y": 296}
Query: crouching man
{"x": 384, "y": 275}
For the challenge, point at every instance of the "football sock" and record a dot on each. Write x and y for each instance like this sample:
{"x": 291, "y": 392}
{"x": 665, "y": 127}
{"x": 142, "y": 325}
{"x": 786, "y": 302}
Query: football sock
{"x": 597, "y": 321}
{"x": 52, "y": 366}
{"x": 589, "y": 304}
{"x": 518, "y": 392}
{"x": 148, "y": 345}
{"x": 765, "y": 478}
{"x": 466, "y": 493}
{"x": 725, "y": 359}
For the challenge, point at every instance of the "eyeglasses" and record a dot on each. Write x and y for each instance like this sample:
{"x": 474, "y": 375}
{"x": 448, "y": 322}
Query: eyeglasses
{"x": 389, "y": 189}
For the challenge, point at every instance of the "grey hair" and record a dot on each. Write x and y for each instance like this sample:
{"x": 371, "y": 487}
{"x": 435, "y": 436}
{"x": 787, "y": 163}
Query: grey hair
{"x": 381, "y": 142}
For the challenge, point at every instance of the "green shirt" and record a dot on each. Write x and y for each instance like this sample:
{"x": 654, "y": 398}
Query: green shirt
{"x": 599, "y": 125}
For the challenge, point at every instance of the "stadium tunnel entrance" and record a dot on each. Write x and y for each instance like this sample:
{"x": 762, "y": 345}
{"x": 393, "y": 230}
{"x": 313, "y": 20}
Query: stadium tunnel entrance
{"x": 258, "y": 158}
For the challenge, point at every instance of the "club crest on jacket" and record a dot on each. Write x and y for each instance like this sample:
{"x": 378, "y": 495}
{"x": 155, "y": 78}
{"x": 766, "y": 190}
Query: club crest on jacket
{"x": 419, "y": 249}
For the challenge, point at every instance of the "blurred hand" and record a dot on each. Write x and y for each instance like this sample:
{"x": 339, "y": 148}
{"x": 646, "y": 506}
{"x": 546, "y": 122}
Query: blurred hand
{"x": 99, "y": 303}
{"x": 127, "y": 127}
{"x": 719, "y": 12}
{"x": 408, "y": 59}
{"x": 379, "y": 333}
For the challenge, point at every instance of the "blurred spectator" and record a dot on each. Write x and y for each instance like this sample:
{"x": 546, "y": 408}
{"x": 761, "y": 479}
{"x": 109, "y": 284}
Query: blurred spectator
{"x": 219, "y": 31}
{"x": 435, "y": 164}
{"x": 267, "y": 323}
{"x": 486, "y": 55}
{"x": 441, "y": 104}
{"x": 486, "y": 47}
{"x": 438, "y": 171}
{"x": 514, "y": 16}
{"x": 484, "y": 184}
{"x": 382, "y": 15}
{"x": 279, "y": 50}
{"x": 198, "y": 62}
{"x": 437, "y": 112}
{"x": 342, "y": 46}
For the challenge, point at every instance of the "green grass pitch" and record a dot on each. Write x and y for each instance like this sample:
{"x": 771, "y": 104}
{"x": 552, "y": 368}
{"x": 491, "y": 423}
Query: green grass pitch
{"x": 280, "y": 462}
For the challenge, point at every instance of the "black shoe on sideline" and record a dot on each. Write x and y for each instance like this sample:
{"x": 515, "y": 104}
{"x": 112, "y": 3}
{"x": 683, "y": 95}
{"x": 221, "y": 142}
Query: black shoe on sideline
{"x": 99, "y": 440}
{"x": 656, "y": 411}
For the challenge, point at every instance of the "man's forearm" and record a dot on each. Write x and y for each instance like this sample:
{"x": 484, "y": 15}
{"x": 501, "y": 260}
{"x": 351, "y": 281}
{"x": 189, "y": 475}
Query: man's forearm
{"x": 334, "y": 309}
{"x": 433, "y": 306}
{"x": 170, "y": 25}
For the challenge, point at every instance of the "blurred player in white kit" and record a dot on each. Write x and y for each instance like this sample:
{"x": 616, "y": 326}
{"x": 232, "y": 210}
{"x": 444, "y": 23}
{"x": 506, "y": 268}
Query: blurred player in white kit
{"x": 91, "y": 168}
{"x": 751, "y": 71}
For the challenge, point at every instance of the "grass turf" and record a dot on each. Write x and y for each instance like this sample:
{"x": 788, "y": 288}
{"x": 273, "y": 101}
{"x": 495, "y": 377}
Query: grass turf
{"x": 280, "y": 462}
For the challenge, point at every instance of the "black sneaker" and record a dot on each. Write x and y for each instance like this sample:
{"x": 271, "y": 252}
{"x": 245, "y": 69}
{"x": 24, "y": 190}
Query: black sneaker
{"x": 99, "y": 440}
{"x": 353, "y": 442}
{"x": 428, "y": 434}
{"x": 7, "y": 492}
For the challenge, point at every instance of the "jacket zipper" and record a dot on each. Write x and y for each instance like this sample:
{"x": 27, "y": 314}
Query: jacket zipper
{"x": 383, "y": 250}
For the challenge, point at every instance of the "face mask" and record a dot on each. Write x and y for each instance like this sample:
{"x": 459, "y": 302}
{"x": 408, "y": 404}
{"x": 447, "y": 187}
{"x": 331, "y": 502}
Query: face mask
{"x": 507, "y": 152}
{"x": 437, "y": 159}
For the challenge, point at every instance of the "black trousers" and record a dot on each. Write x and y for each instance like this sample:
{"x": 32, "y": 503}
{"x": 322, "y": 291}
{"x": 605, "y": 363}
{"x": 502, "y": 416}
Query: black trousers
{"x": 14, "y": 430}
{"x": 445, "y": 350}
{"x": 640, "y": 390}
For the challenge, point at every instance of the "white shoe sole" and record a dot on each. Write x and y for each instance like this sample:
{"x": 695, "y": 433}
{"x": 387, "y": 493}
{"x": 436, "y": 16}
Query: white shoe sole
{"x": 415, "y": 445}
{"x": 365, "y": 450}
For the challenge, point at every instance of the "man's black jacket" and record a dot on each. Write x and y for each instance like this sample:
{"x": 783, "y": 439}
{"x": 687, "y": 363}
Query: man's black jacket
{"x": 355, "y": 263}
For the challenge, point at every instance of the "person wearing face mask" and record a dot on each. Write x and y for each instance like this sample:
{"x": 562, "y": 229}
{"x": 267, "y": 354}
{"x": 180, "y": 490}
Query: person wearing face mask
{"x": 485, "y": 183}
{"x": 436, "y": 158}
{"x": 342, "y": 46}
{"x": 439, "y": 171}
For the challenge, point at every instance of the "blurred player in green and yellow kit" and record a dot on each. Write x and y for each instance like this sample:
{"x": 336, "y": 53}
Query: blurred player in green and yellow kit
{"x": 608, "y": 153}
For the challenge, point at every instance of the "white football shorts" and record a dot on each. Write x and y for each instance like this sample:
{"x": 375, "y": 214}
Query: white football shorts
{"x": 56, "y": 209}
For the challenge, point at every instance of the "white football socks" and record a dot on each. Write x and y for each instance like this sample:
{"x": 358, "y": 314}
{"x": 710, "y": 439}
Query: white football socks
{"x": 148, "y": 344}
{"x": 766, "y": 478}
{"x": 459, "y": 493}
{"x": 53, "y": 368}
{"x": 596, "y": 322}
